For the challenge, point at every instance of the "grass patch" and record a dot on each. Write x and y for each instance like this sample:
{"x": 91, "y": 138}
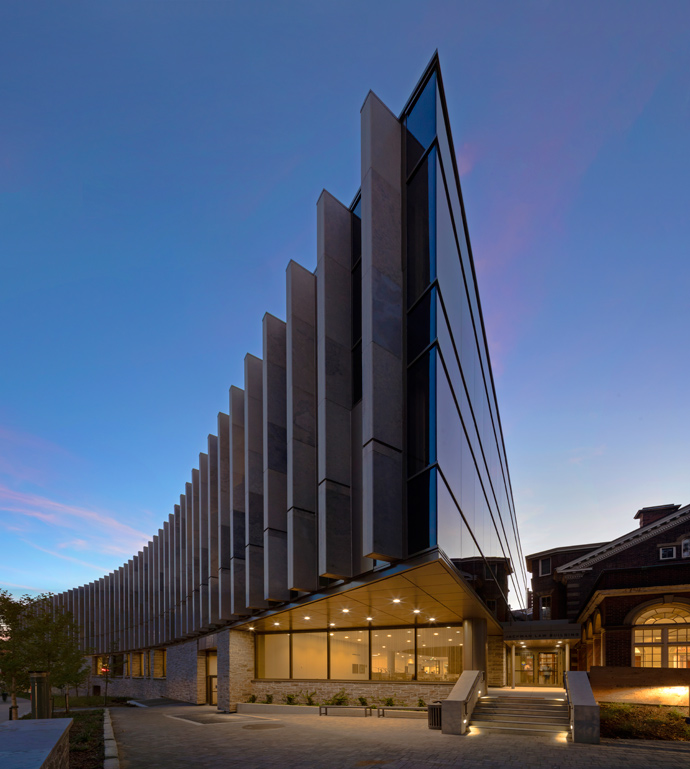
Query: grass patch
{"x": 643, "y": 722}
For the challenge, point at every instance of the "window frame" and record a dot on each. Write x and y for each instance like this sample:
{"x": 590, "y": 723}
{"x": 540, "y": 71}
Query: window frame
{"x": 667, "y": 547}
{"x": 542, "y": 571}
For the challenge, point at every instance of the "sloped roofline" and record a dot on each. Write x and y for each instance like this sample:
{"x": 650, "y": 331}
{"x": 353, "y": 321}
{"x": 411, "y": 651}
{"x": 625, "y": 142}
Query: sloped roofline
{"x": 626, "y": 541}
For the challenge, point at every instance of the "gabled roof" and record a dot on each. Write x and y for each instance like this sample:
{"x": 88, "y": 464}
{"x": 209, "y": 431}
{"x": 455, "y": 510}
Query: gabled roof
{"x": 567, "y": 549}
{"x": 626, "y": 541}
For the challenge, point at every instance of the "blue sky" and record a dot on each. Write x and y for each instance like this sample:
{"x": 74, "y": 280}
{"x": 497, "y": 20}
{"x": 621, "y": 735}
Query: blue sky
{"x": 160, "y": 163}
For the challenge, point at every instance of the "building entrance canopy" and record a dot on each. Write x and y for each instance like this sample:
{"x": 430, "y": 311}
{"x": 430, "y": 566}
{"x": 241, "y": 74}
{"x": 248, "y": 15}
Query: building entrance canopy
{"x": 431, "y": 592}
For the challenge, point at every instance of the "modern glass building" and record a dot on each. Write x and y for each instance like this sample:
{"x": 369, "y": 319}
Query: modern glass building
{"x": 352, "y": 524}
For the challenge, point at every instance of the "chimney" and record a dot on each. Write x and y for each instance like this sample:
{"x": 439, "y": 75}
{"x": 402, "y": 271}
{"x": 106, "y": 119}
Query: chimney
{"x": 649, "y": 515}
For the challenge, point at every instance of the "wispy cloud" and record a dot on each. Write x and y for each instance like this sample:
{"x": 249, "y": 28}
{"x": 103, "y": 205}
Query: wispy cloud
{"x": 578, "y": 456}
{"x": 101, "y": 569}
{"x": 21, "y": 587}
{"x": 67, "y": 516}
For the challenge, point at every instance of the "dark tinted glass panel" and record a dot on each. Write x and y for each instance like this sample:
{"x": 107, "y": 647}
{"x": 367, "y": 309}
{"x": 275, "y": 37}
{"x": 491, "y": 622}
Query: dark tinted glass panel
{"x": 357, "y": 303}
{"x": 357, "y": 373}
{"x": 421, "y": 325}
{"x": 356, "y": 237}
{"x": 421, "y": 230}
{"x": 357, "y": 210}
{"x": 421, "y": 512}
{"x": 421, "y": 416}
{"x": 421, "y": 124}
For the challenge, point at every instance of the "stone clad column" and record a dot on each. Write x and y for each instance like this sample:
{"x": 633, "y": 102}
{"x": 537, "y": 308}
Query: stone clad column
{"x": 274, "y": 460}
{"x": 382, "y": 333}
{"x": 302, "y": 533}
{"x": 334, "y": 385}
{"x": 475, "y": 641}
{"x": 254, "y": 482}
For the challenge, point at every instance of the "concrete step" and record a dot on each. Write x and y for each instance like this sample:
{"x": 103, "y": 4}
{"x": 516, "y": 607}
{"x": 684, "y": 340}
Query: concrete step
{"x": 540, "y": 701}
{"x": 507, "y": 728}
{"x": 519, "y": 718}
{"x": 547, "y": 713}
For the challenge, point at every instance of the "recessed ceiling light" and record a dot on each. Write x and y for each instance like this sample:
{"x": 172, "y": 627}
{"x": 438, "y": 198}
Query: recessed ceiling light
{"x": 408, "y": 641}
{"x": 332, "y": 624}
{"x": 432, "y": 619}
{"x": 251, "y": 628}
{"x": 369, "y": 619}
{"x": 435, "y": 633}
{"x": 346, "y": 611}
{"x": 396, "y": 600}
{"x": 331, "y": 633}
{"x": 389, "y": 635}
{"x": 384, "y": 646}
{"x": 359, "y": 639}
{"x": 415, "y": 611}
{"x": 276, "y": 623}
{"x": 307, "y": 618}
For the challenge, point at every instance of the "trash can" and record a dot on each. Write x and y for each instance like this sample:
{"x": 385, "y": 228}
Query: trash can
{"x": 434, "y": 712}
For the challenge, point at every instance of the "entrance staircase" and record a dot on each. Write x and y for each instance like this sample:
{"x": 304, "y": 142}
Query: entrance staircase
{"x": 521, "y": 715}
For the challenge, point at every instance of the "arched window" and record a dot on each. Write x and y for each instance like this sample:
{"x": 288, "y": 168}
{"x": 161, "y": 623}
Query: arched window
{"x": 661, "y": 637}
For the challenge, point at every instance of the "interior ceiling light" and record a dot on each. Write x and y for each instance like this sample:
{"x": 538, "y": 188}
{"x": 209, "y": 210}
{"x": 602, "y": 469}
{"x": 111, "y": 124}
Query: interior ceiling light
{"x": 396, "y": 600}
{"x": 369, "y": 619}
{"x": 276, "y": 623}
{"x": 415, "y": 611}
{"x": 432, "y": 619}
{"x": 332, "y": 624}
{"x": 346, "y": 611}
{"x": 307, "y": 618}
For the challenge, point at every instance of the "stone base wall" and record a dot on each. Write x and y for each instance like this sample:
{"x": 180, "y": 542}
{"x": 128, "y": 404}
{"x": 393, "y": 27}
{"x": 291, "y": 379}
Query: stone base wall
{"x": 136, "y": 688}
{"x": 186, "y": 673}
{"x": 496, "y": 662}
{"x": 402, "y": 692}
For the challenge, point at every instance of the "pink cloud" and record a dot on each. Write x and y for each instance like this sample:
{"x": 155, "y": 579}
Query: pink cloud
{"x": 101, "y": 569}
{"x": 120, "y": 536}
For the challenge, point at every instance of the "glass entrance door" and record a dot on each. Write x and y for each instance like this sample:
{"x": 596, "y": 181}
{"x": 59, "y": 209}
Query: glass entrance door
{"x": 212, "y": 690}
{"x": 547, "y": 669}
{"x": 535, "y": 668}
{"x": 524, "y": 667}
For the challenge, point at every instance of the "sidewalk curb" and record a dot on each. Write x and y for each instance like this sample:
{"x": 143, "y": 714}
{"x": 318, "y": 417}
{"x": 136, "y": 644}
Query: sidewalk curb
{"x": 111, "y": 760}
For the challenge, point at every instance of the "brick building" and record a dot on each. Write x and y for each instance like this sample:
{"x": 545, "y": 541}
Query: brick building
{"x": 627, "y": 602}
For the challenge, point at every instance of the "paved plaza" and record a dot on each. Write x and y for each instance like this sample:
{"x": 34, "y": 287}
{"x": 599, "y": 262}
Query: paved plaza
{"x": 164, "y": 737}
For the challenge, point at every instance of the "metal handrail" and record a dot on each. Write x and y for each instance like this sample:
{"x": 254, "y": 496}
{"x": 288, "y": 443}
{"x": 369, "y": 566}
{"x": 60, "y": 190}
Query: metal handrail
{"x": 478, "y": 680}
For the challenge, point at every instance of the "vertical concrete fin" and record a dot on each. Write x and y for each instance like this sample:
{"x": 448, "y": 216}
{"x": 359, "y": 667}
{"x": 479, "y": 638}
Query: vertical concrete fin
{"x": 196, "y": 550}
{"x": 212, "y": 526}
{"x": 203, "y": 541}
{"x": 254, "y": 482}
{"x": 274, "y": 409}
{"x": 183, "y": 566}
{"x": 334, "y": 385}
{"x": 382, "y": 332}
{"x": 224, "y": 538}
{"x": 238, "y": 540}
{"x": 189, "y": 557}
{"x": 302, "y": 481}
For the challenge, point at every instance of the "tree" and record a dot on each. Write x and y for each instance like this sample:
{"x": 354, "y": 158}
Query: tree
{"x": 35, "y": 635}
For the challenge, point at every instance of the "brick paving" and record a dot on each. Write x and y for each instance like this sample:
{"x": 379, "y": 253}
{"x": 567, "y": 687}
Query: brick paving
{"x": 163, "y": 738}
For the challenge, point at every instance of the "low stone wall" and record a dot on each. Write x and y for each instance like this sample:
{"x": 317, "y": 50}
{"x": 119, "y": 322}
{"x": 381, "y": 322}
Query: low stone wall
{"x": 137, "y": 688}
{"x": 403, "y": 692}
{"x": 41, "y": 744}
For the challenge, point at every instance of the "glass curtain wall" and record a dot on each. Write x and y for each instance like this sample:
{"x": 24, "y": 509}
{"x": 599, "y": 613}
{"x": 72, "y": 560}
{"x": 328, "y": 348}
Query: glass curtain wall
{"x": 458, "y": 488}
{"x": 379, "y": 654}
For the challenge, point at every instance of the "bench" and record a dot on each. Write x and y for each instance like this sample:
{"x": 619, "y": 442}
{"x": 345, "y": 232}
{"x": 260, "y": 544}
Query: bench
{"x": 323, "y": 709}
{"x": 381, "y": 711}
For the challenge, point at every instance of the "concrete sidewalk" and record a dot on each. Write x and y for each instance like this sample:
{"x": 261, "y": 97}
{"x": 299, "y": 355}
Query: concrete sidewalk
{"x": 166, "y": 738}
{"x": 23, "y": 705}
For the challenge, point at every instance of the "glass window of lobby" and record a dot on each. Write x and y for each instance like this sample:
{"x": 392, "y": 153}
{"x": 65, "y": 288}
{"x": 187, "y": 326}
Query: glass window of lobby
{"x": 352, "y": 520}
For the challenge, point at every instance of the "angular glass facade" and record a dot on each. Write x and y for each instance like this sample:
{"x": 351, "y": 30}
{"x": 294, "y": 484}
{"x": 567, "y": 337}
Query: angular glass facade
{"x": 458, "y": 488}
